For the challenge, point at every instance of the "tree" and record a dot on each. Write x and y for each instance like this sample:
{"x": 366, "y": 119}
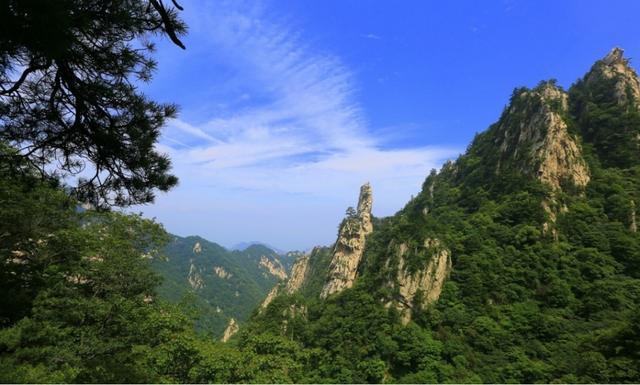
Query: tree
{"x": 351, "y": 213}
{"x": 68, "y": 96}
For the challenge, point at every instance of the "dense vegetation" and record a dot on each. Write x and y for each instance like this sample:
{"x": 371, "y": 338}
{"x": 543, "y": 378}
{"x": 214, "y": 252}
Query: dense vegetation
{"x": 530, "y": 298}
{"x": 521, "y": 304}
{"x": 69, "y": 99}
{"x": 80, "y": 301}
{"x": 241, "y": 286}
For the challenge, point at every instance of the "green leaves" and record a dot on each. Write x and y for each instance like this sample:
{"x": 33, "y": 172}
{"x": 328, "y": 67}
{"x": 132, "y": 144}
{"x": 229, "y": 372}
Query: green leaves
{"x": 75, "y": 107}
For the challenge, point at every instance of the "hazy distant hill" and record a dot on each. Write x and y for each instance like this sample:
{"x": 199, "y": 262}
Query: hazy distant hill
{"x": 244, "y": 245}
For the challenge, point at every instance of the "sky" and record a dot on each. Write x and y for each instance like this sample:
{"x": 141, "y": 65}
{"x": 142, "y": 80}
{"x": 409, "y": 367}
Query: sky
{"x": 287, "y": 107}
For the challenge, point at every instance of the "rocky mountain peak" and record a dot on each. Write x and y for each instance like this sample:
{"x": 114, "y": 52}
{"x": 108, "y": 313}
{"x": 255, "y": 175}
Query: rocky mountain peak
{"x": 350, "y": 245}
{"x": 615, "y": 56}
{"x": 365, "y": 202}
{"x": 615, "y": 67}
{"x": 533, "y": 138}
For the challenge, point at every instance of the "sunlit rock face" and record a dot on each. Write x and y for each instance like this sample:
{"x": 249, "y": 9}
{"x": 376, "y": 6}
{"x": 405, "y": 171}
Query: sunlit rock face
{"x": 293, "y": 283}
{"x": 350, "y": 245}
{"x": 232, "y": 328}
{"x": 274, "y": 267}
{"x": 606, "y": 106}
{"x": 270, "y": 297}
{"x": 221, "y": 272}
{"x": 533, "y": 138}
{"x": 195, "y": 278}
{"x": 616, "y": 67}
{"x": 298, "y": 275}
{"x": 419, "y": 286}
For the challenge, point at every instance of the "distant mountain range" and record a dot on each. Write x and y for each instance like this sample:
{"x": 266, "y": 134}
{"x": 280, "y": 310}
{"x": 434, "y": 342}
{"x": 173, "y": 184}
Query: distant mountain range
{"x": 244, "y": 245}
{"x": 220, "y": 284}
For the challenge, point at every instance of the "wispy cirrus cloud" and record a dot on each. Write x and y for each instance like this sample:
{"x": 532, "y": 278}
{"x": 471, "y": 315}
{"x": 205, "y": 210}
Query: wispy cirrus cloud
{"x": 291, "y": 130}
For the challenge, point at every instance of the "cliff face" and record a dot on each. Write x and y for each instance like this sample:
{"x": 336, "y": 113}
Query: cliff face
{"x": 194, "y": 278}
{"x": 533, "y": 138}
{"x": 419, "y": 287}
{"x": 606, "y": 106}
{"x": 232, "y": 328}
{"x": 270, "y": 297}
{"x": 298, "y": 275}
{"x": 349, "y": 246}
{"x": 274, "y": 267}
{"x": 307, "y": 270}
{"x": 615, "y": 67}
{"x": 221, "y": 272}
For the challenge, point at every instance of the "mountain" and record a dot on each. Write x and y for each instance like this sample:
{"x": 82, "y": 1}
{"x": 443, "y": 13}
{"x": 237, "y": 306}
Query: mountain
{"x": 224, "y": 286}
{"x": 518, "y": 262}
{"x": 244, "y": 245}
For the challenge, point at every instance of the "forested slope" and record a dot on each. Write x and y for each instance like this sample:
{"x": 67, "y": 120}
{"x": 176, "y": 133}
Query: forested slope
{"x": 518, "y": 262}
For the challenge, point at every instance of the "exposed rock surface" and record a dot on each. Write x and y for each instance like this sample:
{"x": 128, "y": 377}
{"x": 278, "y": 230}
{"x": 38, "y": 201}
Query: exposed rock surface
{"x": 298, "y": 275}
{"x": 274, "y": 267}
{"x": 232, "y": 328}
{"x": 534, "y": 125}
{"x": 422, "y": 286}
{"x": 533, "y": 138}
{"x": 350, "y": 245}
{"x": 293, "y": 283}
{"x": 194, "y": 277}
{"x": 221, "y": 272}
{"x": 616, "y": 66}
{"x": 197, "y": 248}
{"x": 270, "y": 297}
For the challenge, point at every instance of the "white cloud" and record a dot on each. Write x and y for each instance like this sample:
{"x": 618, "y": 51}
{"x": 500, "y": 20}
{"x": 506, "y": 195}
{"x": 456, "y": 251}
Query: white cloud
{"x": 371, "y": 36}
{"x": 301, "y": 138}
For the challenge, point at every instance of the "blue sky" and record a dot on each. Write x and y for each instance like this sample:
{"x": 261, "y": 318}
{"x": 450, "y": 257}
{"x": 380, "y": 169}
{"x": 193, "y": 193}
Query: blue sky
{"x": 287, "y": 107}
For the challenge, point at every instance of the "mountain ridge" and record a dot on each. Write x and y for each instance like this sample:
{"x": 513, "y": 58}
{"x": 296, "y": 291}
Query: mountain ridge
{"x": 517, "y": 262}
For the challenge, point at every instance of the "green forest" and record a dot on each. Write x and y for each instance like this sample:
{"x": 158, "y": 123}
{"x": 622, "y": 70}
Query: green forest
{"x": 545, "y": 278}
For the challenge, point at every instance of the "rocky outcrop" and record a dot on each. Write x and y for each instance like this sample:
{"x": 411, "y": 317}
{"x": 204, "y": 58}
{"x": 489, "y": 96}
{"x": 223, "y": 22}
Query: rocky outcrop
{"x": 606, "y": 106}
{"x": 533, "y": 136}
{"x": 418, "y": 287}
{"x": 298, "y": 275}
{"x": 221, "y": 272}
{"x": 274, "y": 267}
{"x": 194, "y": 277}
{"x": 270, "y": 297}
{"x": 293, "y": 284}
{"x": 350, "y": 245}
{"x": 232, "y": 328}
{"x": 616, "y": 67}
{"x": 533, "y": 139}
{"x": 197, "y": 248}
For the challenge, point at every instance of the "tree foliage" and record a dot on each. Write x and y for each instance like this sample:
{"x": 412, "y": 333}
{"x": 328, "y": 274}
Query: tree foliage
{"x": 68, "y": 93}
